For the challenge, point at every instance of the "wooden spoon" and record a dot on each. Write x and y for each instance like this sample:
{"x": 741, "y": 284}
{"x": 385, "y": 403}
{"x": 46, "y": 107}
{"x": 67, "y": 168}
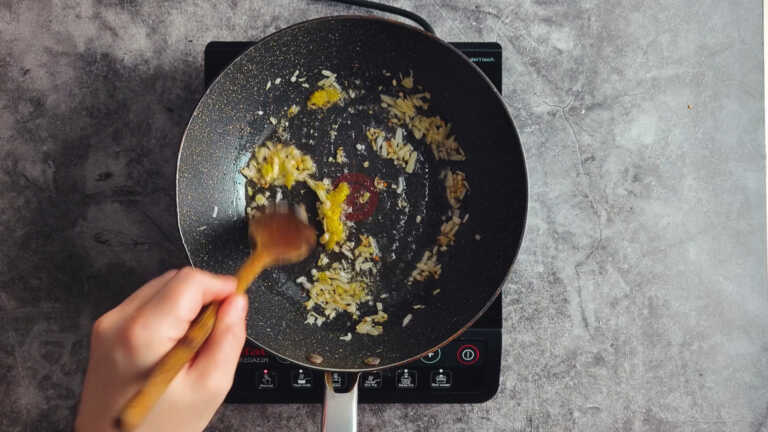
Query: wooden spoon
{"x": 277, "y": 237}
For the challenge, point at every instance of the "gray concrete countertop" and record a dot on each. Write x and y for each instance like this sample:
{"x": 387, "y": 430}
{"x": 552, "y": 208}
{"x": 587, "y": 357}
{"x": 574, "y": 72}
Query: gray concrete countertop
{"x": 639, "y": 300}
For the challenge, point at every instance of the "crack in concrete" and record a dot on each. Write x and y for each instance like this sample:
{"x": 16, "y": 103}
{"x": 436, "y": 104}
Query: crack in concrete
{"x": 595, "y": 209}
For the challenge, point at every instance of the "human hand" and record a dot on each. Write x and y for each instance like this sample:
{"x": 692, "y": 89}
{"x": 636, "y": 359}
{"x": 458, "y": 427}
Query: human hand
{"x": 130, "y": 339}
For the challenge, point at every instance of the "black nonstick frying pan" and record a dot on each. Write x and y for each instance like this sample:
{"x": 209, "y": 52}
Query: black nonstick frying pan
{"x": 234, "y": 116}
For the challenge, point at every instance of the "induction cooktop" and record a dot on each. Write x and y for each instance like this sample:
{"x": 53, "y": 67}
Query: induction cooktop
{"x": 466, "y": 370}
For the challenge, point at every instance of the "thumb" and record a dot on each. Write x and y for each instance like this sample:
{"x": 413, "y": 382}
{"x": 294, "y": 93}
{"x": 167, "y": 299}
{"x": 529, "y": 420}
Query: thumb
{"x": 217, "y": 359}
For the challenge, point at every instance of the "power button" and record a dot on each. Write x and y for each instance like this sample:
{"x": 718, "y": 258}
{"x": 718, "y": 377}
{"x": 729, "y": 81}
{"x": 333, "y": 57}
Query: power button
{"x": 468, "y": 354}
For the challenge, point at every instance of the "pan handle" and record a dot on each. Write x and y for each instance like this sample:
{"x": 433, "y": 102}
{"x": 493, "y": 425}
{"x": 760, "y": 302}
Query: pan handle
{"x": 340, "y": 409}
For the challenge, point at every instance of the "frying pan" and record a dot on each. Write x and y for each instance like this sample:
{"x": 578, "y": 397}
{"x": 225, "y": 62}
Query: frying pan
{"x": 366, "y": 53}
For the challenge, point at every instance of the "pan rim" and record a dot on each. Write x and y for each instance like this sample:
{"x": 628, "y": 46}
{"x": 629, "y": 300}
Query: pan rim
{"x": 515, "y": 136}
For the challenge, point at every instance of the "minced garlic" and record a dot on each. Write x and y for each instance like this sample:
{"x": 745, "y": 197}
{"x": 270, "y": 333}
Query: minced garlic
{"x": 323, "y": 98}
{"x": 278, "y": 165}
{"x": 330, "y": 211}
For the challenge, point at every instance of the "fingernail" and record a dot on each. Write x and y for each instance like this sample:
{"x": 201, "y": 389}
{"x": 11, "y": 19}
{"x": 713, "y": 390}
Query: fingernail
{"x": 240, "y": 305}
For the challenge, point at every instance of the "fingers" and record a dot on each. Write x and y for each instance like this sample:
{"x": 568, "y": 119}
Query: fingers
{"x": 164, "y": 318}
{"x": 143, "y": 294}
{"x": 215, "y": 363}
{"x": 183, "y": 297}
{"x": 194, "y": 396}
{"x": 111, "y": 321}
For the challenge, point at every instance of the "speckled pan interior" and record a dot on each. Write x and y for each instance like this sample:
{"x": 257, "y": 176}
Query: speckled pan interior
{"x": 233, "y": 116}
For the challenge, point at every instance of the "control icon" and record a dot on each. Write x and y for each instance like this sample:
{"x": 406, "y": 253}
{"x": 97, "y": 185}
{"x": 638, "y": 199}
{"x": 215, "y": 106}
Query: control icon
{"x": 267, "y": 380}
{"x": 372, "y": 380}
{"x": 432, "y": 357}
{"x": 339, "y": 380}
{"x": 468, "y": 354}
{"x": 406, "y": 379}
{"x": 301, "y": 379}
{"x": 440, "y": 379}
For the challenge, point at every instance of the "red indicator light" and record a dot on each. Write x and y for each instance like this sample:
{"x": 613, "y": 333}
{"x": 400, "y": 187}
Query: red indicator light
{"x": 253, "y": 352}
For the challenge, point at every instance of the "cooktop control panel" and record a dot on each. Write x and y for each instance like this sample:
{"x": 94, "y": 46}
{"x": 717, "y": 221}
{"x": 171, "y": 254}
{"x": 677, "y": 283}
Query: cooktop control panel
{"x": 466, "y": 370}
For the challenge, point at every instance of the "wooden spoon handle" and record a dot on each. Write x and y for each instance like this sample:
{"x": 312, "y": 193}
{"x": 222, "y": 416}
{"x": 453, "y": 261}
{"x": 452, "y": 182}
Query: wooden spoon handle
{"x": 251, "y": 268}
{"x": 168, "y": 367}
